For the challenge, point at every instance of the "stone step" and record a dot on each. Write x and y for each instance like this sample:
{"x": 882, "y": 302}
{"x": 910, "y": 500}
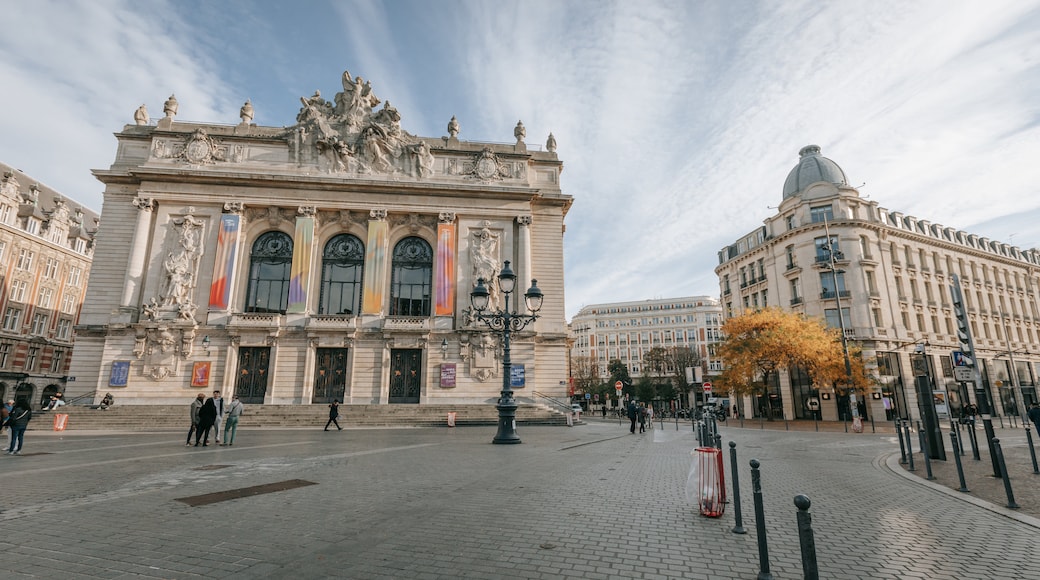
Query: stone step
{"x": 172, "y": 417}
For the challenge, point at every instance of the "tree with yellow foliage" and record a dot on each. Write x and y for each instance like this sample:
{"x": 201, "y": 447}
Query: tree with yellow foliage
{"x": 765, "y": 341}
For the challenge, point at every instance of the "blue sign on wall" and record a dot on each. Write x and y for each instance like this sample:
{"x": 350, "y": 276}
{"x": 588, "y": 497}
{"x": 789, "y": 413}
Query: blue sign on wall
{"x": 120, "y": 373}
{"x": 516, "y": 376}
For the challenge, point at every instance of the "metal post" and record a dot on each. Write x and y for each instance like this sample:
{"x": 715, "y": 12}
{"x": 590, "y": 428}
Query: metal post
{"x": 909, "y": 446}
{"x": 924, "y": 451}
{"x": 1032, "y": 450}
{"x": 902, "y": 448}
{"x": 738, "y": 527}
{"x": 1004, "y": 474}
{"x": 718, "y": 442}
{"x": 873, "y": 429}
{"x": 957, "y": 458}
{"x": 974, "y": 438}
{"x": 806, "y": 539}
{"x": 760, "y": 522}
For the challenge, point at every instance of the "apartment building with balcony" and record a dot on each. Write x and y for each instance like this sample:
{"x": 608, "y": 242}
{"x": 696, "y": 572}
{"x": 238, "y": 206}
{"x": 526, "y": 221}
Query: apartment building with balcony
{"x": 885, "y": 277}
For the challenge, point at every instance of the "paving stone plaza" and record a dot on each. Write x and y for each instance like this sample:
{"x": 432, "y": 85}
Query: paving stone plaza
{"x": 592, "y": 501}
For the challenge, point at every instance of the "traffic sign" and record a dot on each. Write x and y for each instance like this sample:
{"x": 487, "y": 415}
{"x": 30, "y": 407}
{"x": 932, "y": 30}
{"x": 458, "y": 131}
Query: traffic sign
{"x": 959, "y": 360}
{"x": 617, "y": 386}
{"x": 963, "y": 374}
{"x": 706, "y": 387}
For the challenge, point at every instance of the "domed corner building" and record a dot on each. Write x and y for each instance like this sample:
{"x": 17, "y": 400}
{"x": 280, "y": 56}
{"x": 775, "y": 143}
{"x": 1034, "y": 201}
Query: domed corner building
{"x": 330, "y": 260}
{"x": 885, "y": 279}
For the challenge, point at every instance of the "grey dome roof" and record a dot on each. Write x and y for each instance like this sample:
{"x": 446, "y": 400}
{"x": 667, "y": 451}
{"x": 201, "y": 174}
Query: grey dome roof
{"x": 812, "y": 167}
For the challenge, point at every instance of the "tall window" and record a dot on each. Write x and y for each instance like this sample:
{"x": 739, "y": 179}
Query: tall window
{"x": 31, "y": 357}
{"x": 39, "y": 325}
{"x": 25, "y": 259}
{"x": 824, "y": 249}
{"x": 64, "y": 328}
{"x": 831, "y": 318}
{"x": 58, "y": 361}
{"x": 827, "y": 280}
{"x": 269, "y": 266}
{"x": 789, "y": 251}
{"x": 13, "y": 319}
{"x": 412, "y": 278}
{"x": 5, "y": 354}
{"x": 341, "y": 268}
{"x": 821, "y": 214}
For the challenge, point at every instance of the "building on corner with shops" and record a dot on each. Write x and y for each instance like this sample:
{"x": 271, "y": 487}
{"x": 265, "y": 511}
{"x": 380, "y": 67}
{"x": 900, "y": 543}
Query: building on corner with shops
{"x": 827, "y": 248}
{"x": 46, "y": 249}
{"x": 331, "y": 259}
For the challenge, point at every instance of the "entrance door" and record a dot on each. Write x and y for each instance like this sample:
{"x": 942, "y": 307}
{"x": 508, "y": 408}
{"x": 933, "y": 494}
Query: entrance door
{"x": 330, "y": 375}
{"x": 251, "y": 385}
{"x": 405, "y": 370}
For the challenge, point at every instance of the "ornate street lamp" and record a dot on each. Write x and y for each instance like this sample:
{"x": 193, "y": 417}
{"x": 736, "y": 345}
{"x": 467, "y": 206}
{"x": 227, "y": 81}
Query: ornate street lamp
{"x": 506, "y": 321}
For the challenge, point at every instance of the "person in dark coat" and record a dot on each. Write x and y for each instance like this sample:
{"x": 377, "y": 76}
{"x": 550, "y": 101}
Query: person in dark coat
{"x": 207, "y": 416}
{"x": 333, "y": 415}
{"x": 1034, "y": 415}
{"x": 18, "y": 420}
{"x": 633, "y": 414}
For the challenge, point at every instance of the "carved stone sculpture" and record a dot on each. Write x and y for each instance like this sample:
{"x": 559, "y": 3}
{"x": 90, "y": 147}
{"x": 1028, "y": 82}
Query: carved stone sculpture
{"x": 181, "y": 267}
{"x": 483, "y": 254}
{"x": 170, "y": 106}
{"x": 141, "y": 115}
{"x": 246, "y": 112}
{"x": 453, "y": 128}
{"x": 550, "y": 144}
{"x": 519, "y": 132}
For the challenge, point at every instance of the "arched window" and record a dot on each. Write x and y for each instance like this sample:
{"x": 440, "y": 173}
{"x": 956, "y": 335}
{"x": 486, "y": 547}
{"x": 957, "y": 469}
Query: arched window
{"x": 269, "y": 266}
{"x": 412, "y": 278}
{"x": 341, "y": 269}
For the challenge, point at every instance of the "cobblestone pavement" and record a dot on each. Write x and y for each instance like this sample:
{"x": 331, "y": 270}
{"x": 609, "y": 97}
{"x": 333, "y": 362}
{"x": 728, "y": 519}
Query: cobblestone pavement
{"x": 592, "y": 501}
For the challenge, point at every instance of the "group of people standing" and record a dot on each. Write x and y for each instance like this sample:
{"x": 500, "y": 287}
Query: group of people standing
{"x": 207, "y": 414}
{"x": 641, "y": 413}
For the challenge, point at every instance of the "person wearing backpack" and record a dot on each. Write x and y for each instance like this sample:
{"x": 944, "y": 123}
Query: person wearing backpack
{"x": 18, "y": 421}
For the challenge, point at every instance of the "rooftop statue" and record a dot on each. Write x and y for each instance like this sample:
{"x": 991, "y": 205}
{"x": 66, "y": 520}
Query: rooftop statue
{"x": 246, "y": 112}
{"x": 141, "y": 115}
{"x": 453, "y": 127}
{"x": 170, "y": 106}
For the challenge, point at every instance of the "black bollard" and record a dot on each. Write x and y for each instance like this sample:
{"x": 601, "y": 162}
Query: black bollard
{"x": 1032, "y": 450}
{"x": 960, "y": 468}
{"x": 718, "y": 442}
{"x": 760, "y": 522}
{"x": 924, "y": 451}
{"x": 787, "y": 426}
{"x": 974, "y": 441}
{"x": 902, "y": 448}
{"x": 738, "y": 527}
{"x": 909, "y": 446}
{"x": 1004, "y": 474}
{"x": 960, "y": 437}
{"x": 806, "y": 539}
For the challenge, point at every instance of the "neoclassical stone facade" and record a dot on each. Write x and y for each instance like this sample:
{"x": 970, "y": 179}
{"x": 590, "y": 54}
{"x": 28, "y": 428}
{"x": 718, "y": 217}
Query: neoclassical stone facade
{"x": 332, "y": 259}
{"x": 891, "y": 277}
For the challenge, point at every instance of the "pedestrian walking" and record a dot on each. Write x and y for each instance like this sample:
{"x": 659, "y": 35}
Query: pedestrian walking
{"x": 633, "y": 414}
{"x": 17, "y": 422}
{"x": 193, "y": 412}
{"x": 218, "y": 402}
{"x": 642, "y": 418}
{"x": 231, "y": 427}
{"x": 1034, "y": 415}
{"x": 5, "y": 412}
{"x": 333, "y": 415}
{"x": 207, "y": 415}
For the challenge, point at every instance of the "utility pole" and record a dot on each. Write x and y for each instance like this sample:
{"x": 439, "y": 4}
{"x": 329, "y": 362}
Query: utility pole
{"x": 967, "y": 345}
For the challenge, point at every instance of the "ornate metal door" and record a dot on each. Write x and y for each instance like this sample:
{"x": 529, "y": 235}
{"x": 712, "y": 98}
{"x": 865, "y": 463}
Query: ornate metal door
{"x": 251, "y": 384}
{"x": 330, "y": 375}
{"x": 405, "y": 372}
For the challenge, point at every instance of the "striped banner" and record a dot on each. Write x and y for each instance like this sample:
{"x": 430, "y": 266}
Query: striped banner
{"x": 224, "y": 262}
{"x": 375, "y": 267}
{"x": 445, "y": 285}
{"x": 299, "y": 275}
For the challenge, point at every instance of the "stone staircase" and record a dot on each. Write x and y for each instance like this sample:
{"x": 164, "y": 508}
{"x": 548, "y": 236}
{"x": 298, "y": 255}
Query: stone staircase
{"x": 175, "y": 417}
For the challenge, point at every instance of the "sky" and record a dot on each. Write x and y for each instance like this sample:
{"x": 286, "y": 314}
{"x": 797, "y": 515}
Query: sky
{"x": 677, "y": 122}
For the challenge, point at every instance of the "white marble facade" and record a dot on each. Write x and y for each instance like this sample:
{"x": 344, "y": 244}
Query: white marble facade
{"x": 329, "y": 259}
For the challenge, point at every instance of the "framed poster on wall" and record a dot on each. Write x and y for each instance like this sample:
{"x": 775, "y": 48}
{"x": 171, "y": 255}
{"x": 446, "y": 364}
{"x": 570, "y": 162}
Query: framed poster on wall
{"x": 120, "y": 373}
{"x": 200, "y": 374}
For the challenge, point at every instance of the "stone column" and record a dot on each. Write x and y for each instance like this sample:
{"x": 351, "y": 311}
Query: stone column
{"x": 523, "y": 268}
{"x": 135, "y": 265}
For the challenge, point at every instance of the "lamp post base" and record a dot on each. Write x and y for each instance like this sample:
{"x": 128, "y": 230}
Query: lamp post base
{"x": 506, "y": 424}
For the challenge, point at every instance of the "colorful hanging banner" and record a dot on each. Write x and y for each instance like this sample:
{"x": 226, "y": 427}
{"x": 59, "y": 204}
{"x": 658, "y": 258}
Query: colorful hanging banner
{"x": 299, "y": 275}
{"x": 445, "y": 286}
{"x": 224, "y": 262}
{"x": 375, "y": 267}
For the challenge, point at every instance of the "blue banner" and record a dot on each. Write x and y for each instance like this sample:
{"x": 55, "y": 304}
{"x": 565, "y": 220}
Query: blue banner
{"x": 516, "y": 376}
